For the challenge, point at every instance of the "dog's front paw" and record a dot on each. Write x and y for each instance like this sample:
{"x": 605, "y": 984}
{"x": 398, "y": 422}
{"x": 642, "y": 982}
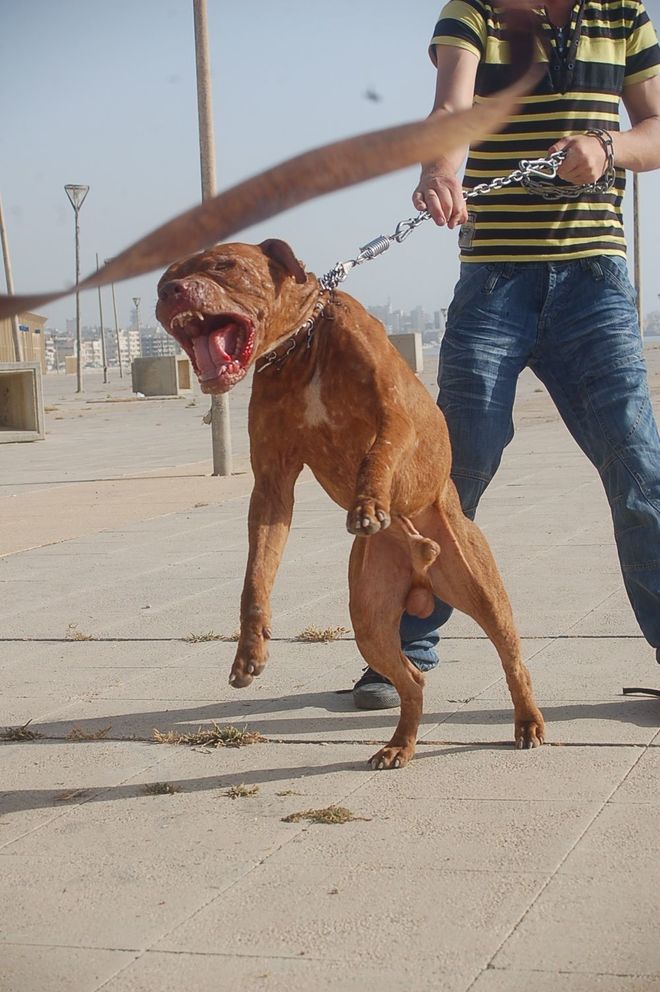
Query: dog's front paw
{"x": 368, "y": 516}
{"x": 530, "y": 733}
{"x": 249, "y": 663}
{"x": 392, "y": 756}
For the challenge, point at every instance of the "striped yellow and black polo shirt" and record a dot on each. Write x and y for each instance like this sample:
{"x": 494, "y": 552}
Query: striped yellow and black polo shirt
{"x": 617, "y": 48}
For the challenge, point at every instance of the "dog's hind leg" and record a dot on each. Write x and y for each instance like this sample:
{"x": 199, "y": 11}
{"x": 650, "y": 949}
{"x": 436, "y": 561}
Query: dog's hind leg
{"x": 379, "y": 581}
{"x": 465, "y": 576}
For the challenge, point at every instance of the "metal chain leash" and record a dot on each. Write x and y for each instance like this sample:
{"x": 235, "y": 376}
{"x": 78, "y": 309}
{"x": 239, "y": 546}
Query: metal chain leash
{"x": 535, "y": 174}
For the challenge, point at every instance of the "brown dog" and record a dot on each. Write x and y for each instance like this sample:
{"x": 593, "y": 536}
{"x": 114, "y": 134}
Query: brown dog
{"x": 331, "y": 392}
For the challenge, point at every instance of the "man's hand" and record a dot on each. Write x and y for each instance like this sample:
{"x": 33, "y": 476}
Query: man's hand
{"x": 440, "y": 192}
{"x": 586, "y": 159}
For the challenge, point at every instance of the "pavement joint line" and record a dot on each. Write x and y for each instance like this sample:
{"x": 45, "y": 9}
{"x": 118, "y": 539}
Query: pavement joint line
{"x": 200, "y": 954}
{"x": 292, "y": 957}
{"x": 338, "y": 742}
{"x": 550, "y": 638}
{"x": 562, "y": 860}
{"x": 589, "y": 974}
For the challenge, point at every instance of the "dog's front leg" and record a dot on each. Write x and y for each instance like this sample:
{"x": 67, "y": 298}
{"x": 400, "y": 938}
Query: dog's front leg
{"x": 271, "y": 508}
{"x": 370, "y": 510}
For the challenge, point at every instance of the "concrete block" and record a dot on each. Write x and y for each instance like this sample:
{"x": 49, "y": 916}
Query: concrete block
{"x": 70, "y": 364}
{"x": 21, "y": 402}
{"x": 409, "y": 347}
{"x": 168, "y": 376}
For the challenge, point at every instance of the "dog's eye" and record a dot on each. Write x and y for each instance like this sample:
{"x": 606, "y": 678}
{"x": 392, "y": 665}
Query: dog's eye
{"x": 222, "y": 264}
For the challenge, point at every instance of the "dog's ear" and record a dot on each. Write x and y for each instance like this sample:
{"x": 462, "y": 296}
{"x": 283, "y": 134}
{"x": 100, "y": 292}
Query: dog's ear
{"x": 281, "y": 252}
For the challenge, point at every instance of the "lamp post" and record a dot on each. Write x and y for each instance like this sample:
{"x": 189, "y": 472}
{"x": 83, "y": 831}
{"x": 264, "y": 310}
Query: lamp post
{"x": 15, "y": 331}
{"x": 136, "y": 304}
{"x": 77, "y": 196}
{"x": 104, "y": 357}
{"x": 114, "y": 310}
{"x": 220, "y": 427}
{"x": 637, "y": 249}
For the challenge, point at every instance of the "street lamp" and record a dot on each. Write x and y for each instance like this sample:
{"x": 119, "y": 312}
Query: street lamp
{"x": 104, "y": 356}
{"x": 77, "y": 196}
{"x": 136, "y": 304}
{"x": 114, "y": 310}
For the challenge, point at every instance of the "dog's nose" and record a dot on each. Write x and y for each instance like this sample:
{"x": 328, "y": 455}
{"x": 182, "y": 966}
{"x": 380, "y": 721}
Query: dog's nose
{"x": 171, "y": 289}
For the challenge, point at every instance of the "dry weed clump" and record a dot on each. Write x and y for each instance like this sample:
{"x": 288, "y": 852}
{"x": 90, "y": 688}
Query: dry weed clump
{"x": 215, "y": 736}
{"x": 242, "y": 791}
{"x": 210, "y": 635}
{"x": 76, "y": 734}
{"x": 73, "y": 634}
{"x": 321, "y": 634}
{"x": 160, "y": 789}
{"x": 19, "y": 733}
{"x": 331, "y": 814}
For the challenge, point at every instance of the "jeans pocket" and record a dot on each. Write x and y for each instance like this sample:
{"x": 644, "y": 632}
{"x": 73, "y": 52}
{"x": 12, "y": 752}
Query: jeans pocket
{"x": 615, "y": 273}
{"x": 476, "y": 279}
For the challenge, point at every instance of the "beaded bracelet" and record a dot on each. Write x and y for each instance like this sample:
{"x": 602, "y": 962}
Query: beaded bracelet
{"x": 605, "y": 139}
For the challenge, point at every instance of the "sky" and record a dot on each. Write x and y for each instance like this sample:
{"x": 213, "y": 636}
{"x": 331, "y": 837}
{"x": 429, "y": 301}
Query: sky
{"x": 103, "y": 93}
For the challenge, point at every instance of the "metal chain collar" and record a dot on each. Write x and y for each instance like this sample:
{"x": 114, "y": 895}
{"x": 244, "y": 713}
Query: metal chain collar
{"x": 535, "y": 174}
{"x": 278, "y": 358}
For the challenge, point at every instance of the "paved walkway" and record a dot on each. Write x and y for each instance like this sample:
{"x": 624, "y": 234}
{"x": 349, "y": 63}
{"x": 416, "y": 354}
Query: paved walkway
{"x": 476, "y": 868}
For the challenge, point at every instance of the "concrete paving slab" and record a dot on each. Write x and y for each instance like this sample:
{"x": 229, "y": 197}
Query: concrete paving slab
{"x": 606, "y": 924}
{"x": 622, "y": 836}
{"x": 410, "y": 915}
{"x": 59, "y": 969}
{"x": 525, "y": 836}
{"x": 642, "y": 785}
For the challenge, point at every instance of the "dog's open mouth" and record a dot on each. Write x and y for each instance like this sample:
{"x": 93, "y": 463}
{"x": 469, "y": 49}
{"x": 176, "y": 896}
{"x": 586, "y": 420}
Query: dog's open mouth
{"x": 219, "y": 346}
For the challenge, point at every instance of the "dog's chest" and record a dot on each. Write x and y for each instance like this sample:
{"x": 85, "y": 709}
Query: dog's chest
{"x": 314, "y": 410}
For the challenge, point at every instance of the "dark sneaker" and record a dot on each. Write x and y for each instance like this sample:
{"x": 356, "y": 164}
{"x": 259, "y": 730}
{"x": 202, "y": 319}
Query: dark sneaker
{"x": 374, "y": 692}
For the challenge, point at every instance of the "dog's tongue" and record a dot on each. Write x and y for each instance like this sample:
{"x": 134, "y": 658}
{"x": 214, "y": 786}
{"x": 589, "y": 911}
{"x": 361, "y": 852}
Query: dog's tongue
{"x": 210, "y": 354}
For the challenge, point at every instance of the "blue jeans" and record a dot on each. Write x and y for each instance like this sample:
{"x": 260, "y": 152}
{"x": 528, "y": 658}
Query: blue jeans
{"x": 575, "y": 325}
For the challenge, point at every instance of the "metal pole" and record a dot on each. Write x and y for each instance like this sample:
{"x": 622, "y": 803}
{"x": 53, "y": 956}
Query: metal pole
{"x": 637, "y": 251}
{"x": 103, "y": 354}
{"x": 77, "y": 194}
{"x": 79, "y": 364}
{"x": 136, "y": 304}
{"x": 15, "y": 331}
{"x": 220, "y": 423}
{"x": 114, "y": 310}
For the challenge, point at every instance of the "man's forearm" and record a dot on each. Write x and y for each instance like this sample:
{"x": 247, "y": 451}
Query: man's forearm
{"x": 639, "y": 148}
{"x": 444, "y": 165}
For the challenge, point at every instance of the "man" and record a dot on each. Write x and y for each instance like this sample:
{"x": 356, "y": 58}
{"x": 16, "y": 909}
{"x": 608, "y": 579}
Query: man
{"x": 544, "y": 283}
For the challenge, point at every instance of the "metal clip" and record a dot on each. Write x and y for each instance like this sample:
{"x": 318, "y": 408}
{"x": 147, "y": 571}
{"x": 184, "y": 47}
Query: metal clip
{"x": 542, "y": 168}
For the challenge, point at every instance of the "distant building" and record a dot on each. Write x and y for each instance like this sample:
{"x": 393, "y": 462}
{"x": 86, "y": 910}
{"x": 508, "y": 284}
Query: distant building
{"x": 652, "y": 324}
{"x": 129, "y": 344}
{"x": 157, "y": 343}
